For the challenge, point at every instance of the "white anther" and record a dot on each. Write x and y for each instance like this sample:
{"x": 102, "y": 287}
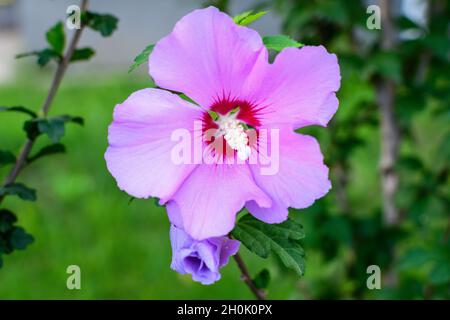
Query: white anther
{"x": 234, "y": 134}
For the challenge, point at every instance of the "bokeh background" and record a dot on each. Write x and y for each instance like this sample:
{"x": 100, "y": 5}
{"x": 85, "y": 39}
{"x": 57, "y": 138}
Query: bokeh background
{"x": 388, "y": 149}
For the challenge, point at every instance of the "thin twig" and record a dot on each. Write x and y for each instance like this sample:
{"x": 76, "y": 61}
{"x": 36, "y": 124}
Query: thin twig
{"x": 59, "y": 74}
{"x": 259, "y": 294}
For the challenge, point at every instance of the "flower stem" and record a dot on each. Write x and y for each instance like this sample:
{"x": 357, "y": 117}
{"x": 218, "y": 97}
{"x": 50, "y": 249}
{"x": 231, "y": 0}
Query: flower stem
{"x": 59, "y": 74}
{"x": 259, "y": 294}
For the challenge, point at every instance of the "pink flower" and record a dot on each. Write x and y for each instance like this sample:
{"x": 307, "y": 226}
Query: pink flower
{"x": 202, "y": 259}
{"x": 224, "y": 68}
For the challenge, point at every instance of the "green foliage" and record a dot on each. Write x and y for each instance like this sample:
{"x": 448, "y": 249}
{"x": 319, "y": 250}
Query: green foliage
{"x": 11, "y": 237}
{"x": 142, "y": 57}
{"x": 20, "y": 109}
{"x": 47, "y": 150}
{"x": 53, "y": 127}
{"x": 282, "y": 239}
{"x": 279, "y": 42}
{"x": 56, "y": 38}
{"x": 105, "y": 24}
{"x": 262, "y": 279}
{"x": 6, "y": 157}
{"x": 20, "y": 190}
{"x": 43, "y": 56}
{"x": 248, "y": 17}
{"x": 82, "y": 54}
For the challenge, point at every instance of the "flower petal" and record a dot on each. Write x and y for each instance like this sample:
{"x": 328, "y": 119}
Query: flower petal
{"x": 298, "y": 88}
{"x": 140, "y": 144}
{"x": 207, "y": 56}
{"x": 301, "y": 177}
{"x": 209, "y": 199}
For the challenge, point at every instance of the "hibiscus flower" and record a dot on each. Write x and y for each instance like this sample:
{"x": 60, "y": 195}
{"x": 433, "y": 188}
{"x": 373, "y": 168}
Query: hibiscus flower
{"x": 225, "y": 69}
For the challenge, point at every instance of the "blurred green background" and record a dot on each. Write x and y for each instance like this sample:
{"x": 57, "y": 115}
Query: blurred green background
{"x": 123, "y": 248}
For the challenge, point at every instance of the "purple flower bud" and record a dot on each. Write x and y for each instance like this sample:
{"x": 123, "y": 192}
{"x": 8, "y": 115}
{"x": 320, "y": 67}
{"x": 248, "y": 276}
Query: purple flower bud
{"x": 202, "y": 259}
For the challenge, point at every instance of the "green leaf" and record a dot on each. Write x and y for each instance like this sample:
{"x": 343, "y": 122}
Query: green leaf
{"x": 48, "y": 150}
{"x": 279, "y": 42}
{"x": 6, "y": 158}
{"x": 56, "y": 38}
{"x": 262, "y": 279}
{"x": 20, "y": 239}
{"x": 248, "y": 17}
{"x": 415, "y": 258}
{"x": 142, "y": 57}
{"x": 82, "y": 54}
{"x": 20, "y": 109}
{"x": 282, "y": 239}
{"x": 43, "y": 56}
{"x": 440, "y": 274}
{"x": 20, "y": 190}
{"x": 53, "y": 127}
{"x": 103, "y": 23}
{"x": 7, "y": 220}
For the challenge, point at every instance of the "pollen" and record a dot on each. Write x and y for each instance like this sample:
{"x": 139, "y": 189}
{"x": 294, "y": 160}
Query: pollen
{"x": 234, "y": 134}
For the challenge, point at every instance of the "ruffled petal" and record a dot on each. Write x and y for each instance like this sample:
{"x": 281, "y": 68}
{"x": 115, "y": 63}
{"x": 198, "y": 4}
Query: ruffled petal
{"x": 297, "y": 176}
{"x": 207, "y": 56}
{"x": 139, "y": 155}
{"x": 298, "y": 88}
{"x": 208, "y": 201}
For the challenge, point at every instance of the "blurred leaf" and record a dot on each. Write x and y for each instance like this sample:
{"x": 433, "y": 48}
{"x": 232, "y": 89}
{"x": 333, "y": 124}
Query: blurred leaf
{"x": 415, "y": 258}
{"x": 7, "y": 220}
{"x": 19, "y": 190}
{"x": 6, "y": 158}
{"x": 43, "y": 56}
{"x": 106, "y": 24}
{"x": 56, "y": 38}
{"x": 410, "y": 163}
{"x": 142, "y": 57}
{"x": 248, "y": 17}
{"x": 387, "y": 64}
{"x": 53, "y": 127}
{"x": 279, "y": 42}
{"x": 20, "y": 109}
{"x": 20, "y": 239}
{"x": 282, "y": 239}
{"x": 262, "y": 279}
{"x": 82, "y": 54}
{"x": 440, "y": 274}
{"x": 48, "y": 150}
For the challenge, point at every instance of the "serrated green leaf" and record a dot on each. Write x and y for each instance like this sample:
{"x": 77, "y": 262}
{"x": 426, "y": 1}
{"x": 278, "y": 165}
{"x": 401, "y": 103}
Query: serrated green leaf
{"x": 282, "y": 239}
{"x": 53, "y": 127}
{"x": 48, "y": 150}
{"x": 248, "y": 17}
{"x": 20, "y": 239}
{"x": 6, "y": 158}
{"x": 82, "y": 54}
{"x": 43, "y": 56}
{"x": 262, "y": 279}
{"x": 19, "y": 190}
{"x": 103, "y": 23}
{"x": 142, "y": 57}
{"x": 20, "y": 109}
{"x": 279, "y": 42}
{"x": 56, "y": 38}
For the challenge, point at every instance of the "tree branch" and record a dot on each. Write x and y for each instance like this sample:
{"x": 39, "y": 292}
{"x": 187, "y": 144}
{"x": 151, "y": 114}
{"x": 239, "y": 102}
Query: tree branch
{"x": 389, "y": 129}
{"x": 259, "y": 294}
{"x": 59, "y": 74}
